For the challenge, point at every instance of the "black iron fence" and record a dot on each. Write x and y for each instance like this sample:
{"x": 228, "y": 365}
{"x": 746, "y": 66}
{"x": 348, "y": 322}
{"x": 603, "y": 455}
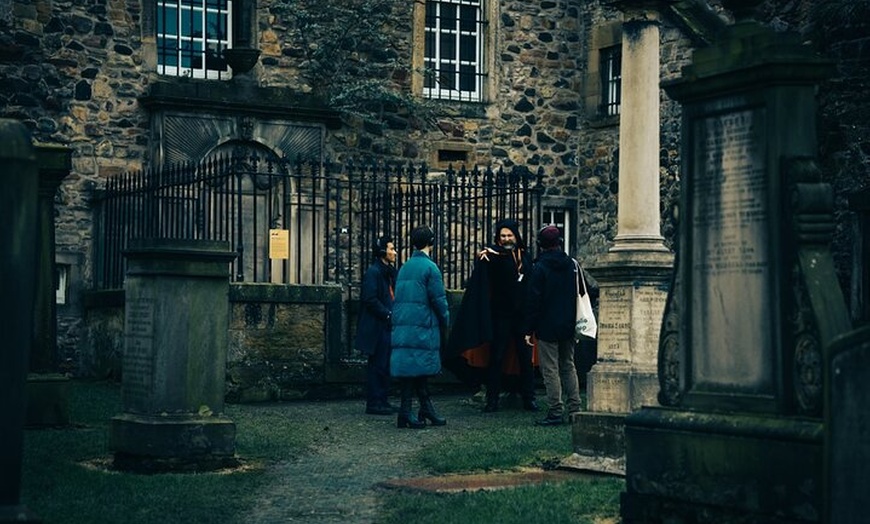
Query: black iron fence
{"x": 310, "y": 222}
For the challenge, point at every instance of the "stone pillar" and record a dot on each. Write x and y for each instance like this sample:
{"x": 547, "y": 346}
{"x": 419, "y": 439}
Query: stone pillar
{"x": 174, "y": 366}
{"x": 635, "y": 274}
{"x": 639, "y": 219}
{"x": 18, "y": 216}
{"x": 741, "y": 364}
{"x": 46, "y": 388}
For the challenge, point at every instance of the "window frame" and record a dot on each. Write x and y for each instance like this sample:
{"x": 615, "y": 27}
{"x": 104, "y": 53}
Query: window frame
{"x": 604, "y": 35}
{"x": 550, "y": 216}
{"x": 430, "y": 31}
{"x": 610, "y": 60}
{"x": 200, "y": 12}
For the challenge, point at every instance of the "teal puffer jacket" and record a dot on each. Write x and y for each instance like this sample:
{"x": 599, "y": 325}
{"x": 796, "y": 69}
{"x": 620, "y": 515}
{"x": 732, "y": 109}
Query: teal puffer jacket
{"x": 419, "y": 313}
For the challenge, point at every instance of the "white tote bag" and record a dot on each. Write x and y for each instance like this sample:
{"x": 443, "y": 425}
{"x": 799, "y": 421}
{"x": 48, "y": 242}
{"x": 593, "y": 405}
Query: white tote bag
{"x": 585, "y": 324}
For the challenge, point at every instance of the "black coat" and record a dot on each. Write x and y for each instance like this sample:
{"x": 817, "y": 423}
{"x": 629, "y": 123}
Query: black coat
{"x": 473, "y": 324}
{"x": 376, "y": 303}
{"x": 552, "y": 297}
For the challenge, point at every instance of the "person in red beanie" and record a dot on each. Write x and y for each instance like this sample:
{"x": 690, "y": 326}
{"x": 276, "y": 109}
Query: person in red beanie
{"x": 551, "y": 305}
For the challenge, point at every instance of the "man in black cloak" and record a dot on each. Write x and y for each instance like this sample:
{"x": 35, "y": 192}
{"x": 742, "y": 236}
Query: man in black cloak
{"x": 486, "y": 340}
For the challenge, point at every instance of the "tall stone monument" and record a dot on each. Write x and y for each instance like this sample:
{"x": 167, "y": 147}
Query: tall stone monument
{"x": 174, "y": 366}
{"x": 18, "y": 227}
{"x": 634, "y": 275}
{"x": 47, "y": 403}
{"x": 739, "y": 435}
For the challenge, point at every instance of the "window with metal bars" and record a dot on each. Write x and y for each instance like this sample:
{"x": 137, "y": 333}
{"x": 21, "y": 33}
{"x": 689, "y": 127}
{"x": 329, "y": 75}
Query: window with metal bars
{"x": 561, "y": 218}
{"x": 454, "y": 50}
{"x": 611, "y": 80}
{"x": 192, "y": 36}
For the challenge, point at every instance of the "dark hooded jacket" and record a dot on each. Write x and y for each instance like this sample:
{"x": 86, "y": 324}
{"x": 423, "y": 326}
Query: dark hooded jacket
{"x": 507, "y": 289}
{"x": 552, "y": 297}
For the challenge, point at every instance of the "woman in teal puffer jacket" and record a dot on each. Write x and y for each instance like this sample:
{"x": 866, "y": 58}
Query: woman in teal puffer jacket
{"x": 419, "y": 316}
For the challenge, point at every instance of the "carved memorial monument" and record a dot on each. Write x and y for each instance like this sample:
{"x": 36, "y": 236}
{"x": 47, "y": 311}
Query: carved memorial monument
{"x": 755, "y": 300}
{"x": 174, "y": 365}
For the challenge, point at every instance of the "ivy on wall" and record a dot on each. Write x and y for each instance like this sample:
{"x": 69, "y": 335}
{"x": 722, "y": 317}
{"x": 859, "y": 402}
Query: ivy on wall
{"x": 356, "y": 55}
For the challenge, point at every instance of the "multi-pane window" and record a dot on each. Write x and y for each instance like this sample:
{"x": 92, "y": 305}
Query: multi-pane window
{"x": 561, "y": 218}
{"x": 192, "y": 36}
{"x": 611, "y": 80}
{"x": 454, "y": 50}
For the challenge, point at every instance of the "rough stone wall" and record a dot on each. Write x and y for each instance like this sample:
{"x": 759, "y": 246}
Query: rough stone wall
{"x": 71, "y": 71}
{"x": 276, "y": 351}
{"x": 840, "y": 31}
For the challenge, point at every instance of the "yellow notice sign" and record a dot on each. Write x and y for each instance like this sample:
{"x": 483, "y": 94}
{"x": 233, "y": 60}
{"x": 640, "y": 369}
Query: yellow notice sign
{"x": 279, "y": 243}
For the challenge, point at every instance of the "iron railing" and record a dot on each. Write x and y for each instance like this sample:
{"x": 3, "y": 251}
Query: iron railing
{"x": 332, "y": 214}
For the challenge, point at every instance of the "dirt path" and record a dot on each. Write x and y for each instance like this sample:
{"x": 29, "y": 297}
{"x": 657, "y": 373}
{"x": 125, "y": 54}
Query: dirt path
{"x": 336, "y": 481}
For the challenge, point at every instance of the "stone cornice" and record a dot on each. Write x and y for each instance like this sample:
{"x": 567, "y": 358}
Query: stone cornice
{"x": 232, "y": 97}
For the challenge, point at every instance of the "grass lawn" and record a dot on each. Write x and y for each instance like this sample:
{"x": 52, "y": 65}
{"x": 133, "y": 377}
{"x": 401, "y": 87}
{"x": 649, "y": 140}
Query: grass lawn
{"x": 66, "y": 480}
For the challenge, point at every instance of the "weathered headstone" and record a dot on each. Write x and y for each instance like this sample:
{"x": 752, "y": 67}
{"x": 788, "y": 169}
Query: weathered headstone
{"x": 739, "y": 436}
{"x": 174, "y": 364}
{"x": 47, "y": 403}
{"x": 848, "y": 429}
{"x": 18, "y": 215}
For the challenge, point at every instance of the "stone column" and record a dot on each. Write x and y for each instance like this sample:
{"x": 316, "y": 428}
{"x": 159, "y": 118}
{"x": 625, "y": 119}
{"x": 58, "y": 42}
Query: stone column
{"x": 638, "y": 219}
{"x": 174, "y": 367}
{"x": 18, "y": 216}
{"x": 634, "y": 275}
{"x": 46, "y": 388}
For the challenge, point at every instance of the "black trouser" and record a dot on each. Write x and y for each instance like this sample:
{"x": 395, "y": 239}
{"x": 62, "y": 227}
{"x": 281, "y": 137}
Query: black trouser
{"x": 502, "y": 336}
{"x": 378, "y": 374}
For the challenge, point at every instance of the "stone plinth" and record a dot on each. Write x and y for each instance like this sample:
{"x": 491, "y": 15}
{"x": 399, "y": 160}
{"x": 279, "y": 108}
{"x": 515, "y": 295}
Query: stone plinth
{"x": 18, "y": 236}
{"x": 685, "y": 466}
{"x": 174, "y": 365}
{"x": 47, "y": 400}
{"x": 633, "y": 291}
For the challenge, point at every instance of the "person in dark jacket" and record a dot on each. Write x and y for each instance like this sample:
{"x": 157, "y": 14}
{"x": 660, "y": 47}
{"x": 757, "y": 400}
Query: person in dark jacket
{"x": 551, "y": 309}
{"x": 374, "y": 325}
{"x": 419, "y": 316}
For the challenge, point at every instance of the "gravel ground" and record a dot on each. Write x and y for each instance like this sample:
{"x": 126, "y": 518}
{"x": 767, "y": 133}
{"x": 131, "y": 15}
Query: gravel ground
{"x": 336, "y": 481}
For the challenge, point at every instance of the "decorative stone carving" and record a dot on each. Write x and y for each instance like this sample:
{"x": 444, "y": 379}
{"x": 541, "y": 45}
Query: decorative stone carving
{"x": 669, "y": 357}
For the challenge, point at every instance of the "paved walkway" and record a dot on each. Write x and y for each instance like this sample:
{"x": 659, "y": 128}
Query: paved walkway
{"x": 336, "y": 482}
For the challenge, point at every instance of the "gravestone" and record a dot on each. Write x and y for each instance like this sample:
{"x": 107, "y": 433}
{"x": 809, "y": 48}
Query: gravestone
{"x": 47, "y": 403}
{"x": 848, "y": 429}
{"x": 18, "y": 221}
{"x": 174, "y": 364}
{"x": 755, "y": 299}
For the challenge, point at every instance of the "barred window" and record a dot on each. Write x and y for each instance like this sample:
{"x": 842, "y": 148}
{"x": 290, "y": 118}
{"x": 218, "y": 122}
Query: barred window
{"x": 611, "y": 80}
{"x": 192, "y": 36}
{"x": 454, "y": 50}
{"x": 561, "y": 218}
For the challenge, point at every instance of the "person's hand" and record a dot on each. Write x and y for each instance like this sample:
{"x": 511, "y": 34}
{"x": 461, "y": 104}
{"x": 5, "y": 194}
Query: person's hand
{"x": 484, "y": 252}
{"x": 528, "y": 339}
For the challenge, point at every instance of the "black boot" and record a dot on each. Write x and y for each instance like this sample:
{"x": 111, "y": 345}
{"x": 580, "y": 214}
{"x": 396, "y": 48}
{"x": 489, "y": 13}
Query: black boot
{"x": 427, "y": 410}
{"x": 406, "y": 418}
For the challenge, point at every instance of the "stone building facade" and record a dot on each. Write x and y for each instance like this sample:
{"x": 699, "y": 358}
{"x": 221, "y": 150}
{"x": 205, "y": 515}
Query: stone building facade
{"x": 84, "y": 75}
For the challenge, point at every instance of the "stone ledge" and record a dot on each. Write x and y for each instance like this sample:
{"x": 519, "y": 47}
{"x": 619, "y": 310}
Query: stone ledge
{"x": 599, "y": 434}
